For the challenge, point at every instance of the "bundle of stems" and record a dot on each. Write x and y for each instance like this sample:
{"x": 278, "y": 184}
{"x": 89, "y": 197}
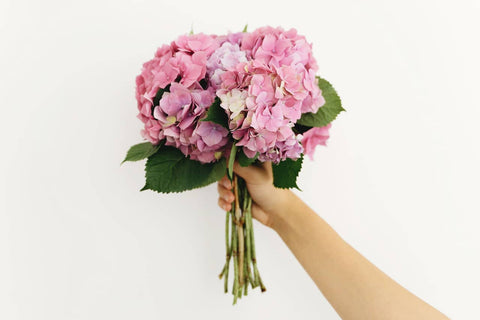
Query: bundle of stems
{"x": 240, "y": 243}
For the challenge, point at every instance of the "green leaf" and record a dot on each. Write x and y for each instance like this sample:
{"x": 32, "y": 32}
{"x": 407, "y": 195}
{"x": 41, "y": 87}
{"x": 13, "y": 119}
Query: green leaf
{"x": 170, "y": 171}
{"x": 245, "y": 28}
{"x": 141, "y": 151}
{"x": 328, "y": 112}
{"x": 244, "y": 160}
{"x": 217, "y": 114}
{"x": 285, "y": 173}
{"x": 231, "y": 160}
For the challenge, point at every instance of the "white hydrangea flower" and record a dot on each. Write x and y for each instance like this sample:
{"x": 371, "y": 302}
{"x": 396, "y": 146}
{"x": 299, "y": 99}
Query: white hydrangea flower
{"x": 233, "y": 101}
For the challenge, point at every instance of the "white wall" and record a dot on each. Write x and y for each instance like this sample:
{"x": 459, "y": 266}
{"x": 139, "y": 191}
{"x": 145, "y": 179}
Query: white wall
{"x": 399, "y": 180}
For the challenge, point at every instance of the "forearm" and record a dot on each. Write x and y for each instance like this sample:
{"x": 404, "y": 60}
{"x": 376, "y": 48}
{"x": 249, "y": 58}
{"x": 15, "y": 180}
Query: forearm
{"x": 352, "y": 285}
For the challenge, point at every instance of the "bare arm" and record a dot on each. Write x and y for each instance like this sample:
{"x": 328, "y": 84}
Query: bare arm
{"x": 353, "y": 286}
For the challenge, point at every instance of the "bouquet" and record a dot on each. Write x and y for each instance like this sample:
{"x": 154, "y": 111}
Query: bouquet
{"x": 207, "y": 101}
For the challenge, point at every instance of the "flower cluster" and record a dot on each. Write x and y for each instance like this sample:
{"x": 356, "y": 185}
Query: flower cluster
{"x": 265, "y": 81}
{"x": 178, "y": 72}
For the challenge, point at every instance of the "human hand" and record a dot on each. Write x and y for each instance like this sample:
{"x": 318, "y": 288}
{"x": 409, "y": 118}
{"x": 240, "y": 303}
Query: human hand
{"x": 268, "y": 201}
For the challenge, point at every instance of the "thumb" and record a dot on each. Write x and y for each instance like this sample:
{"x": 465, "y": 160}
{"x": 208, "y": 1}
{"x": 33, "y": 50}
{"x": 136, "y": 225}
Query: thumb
{"x": 252, "y": 174}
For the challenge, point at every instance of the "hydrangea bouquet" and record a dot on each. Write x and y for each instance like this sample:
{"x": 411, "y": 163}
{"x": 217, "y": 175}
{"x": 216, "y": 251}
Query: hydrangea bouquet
{"x": 208, "y": 100}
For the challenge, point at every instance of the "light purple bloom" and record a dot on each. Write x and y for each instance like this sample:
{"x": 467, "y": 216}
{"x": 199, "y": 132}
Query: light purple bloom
{"x": 225, "y": 58}
{"x": 211, "y": 134}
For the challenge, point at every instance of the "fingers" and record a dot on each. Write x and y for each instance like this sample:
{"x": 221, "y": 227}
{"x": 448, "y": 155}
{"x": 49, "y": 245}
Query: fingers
{"x": 225, "y": 182}
{"x": 225, "y": 193}
{"x": 226, "y": 198}
{"x": 227, "y": 206}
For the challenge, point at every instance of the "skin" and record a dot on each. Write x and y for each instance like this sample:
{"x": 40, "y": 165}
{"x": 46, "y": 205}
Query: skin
{"x": 352, "y": 285}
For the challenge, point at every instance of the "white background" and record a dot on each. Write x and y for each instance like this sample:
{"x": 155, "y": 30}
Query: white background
{"x": 399, "y": 180}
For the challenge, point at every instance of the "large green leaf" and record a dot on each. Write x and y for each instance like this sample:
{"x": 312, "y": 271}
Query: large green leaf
{"x": 141, "y": 151}
{"x": 328, "y": 112}
{"x": 170, "y": 171}
{"x": 217, "y": 114}
{"x": 286, "y": 172}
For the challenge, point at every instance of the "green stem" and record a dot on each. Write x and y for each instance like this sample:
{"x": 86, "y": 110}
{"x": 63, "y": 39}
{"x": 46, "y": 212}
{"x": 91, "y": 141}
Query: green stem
{"x": 248, "y": 228}
{"x": 235, "y": 259}
{"x": 241, "y": 246}
{"x": 245, "y": 274}
{"x": 228, "y": 252}
{"x": 240, "y": 238}
{"x": 230, "y": 249}
{"x": 226, "y": 244}
{"x": 239, "y": 222}
{"x": 245, "y": 228}
{"x": 258, "y": 279}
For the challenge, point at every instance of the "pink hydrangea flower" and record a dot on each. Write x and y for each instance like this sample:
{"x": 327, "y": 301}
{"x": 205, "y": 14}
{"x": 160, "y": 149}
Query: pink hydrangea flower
{"x": 275, "y": 46}
{"x": 271, "y": 119}
{"x": 279, "y": 77}
{"x": 211, "y": 135}
{"x": 179, "y": 69}
{"x": 265, "y": 81}
{"x": 231, "y": 37}
{"x": 289, "y": 148}
{"x": 195, "y": 43}
{"x": 210, "y": 140}
{"x": 257, "y": 141}
{"x": 191, "y": 67}
{"x": 314, "y": 137}
{"x": 179, "y": 112}
{"x": 225, "y": 58}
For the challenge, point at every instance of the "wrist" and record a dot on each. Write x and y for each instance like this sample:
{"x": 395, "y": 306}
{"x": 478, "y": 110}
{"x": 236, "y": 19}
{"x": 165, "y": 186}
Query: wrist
{"x": 286, "y": 201}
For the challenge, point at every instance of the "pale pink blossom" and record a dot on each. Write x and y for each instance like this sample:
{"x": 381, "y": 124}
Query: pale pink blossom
{"x": 314, "y": 137}
{"x": 198, "y": 42}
